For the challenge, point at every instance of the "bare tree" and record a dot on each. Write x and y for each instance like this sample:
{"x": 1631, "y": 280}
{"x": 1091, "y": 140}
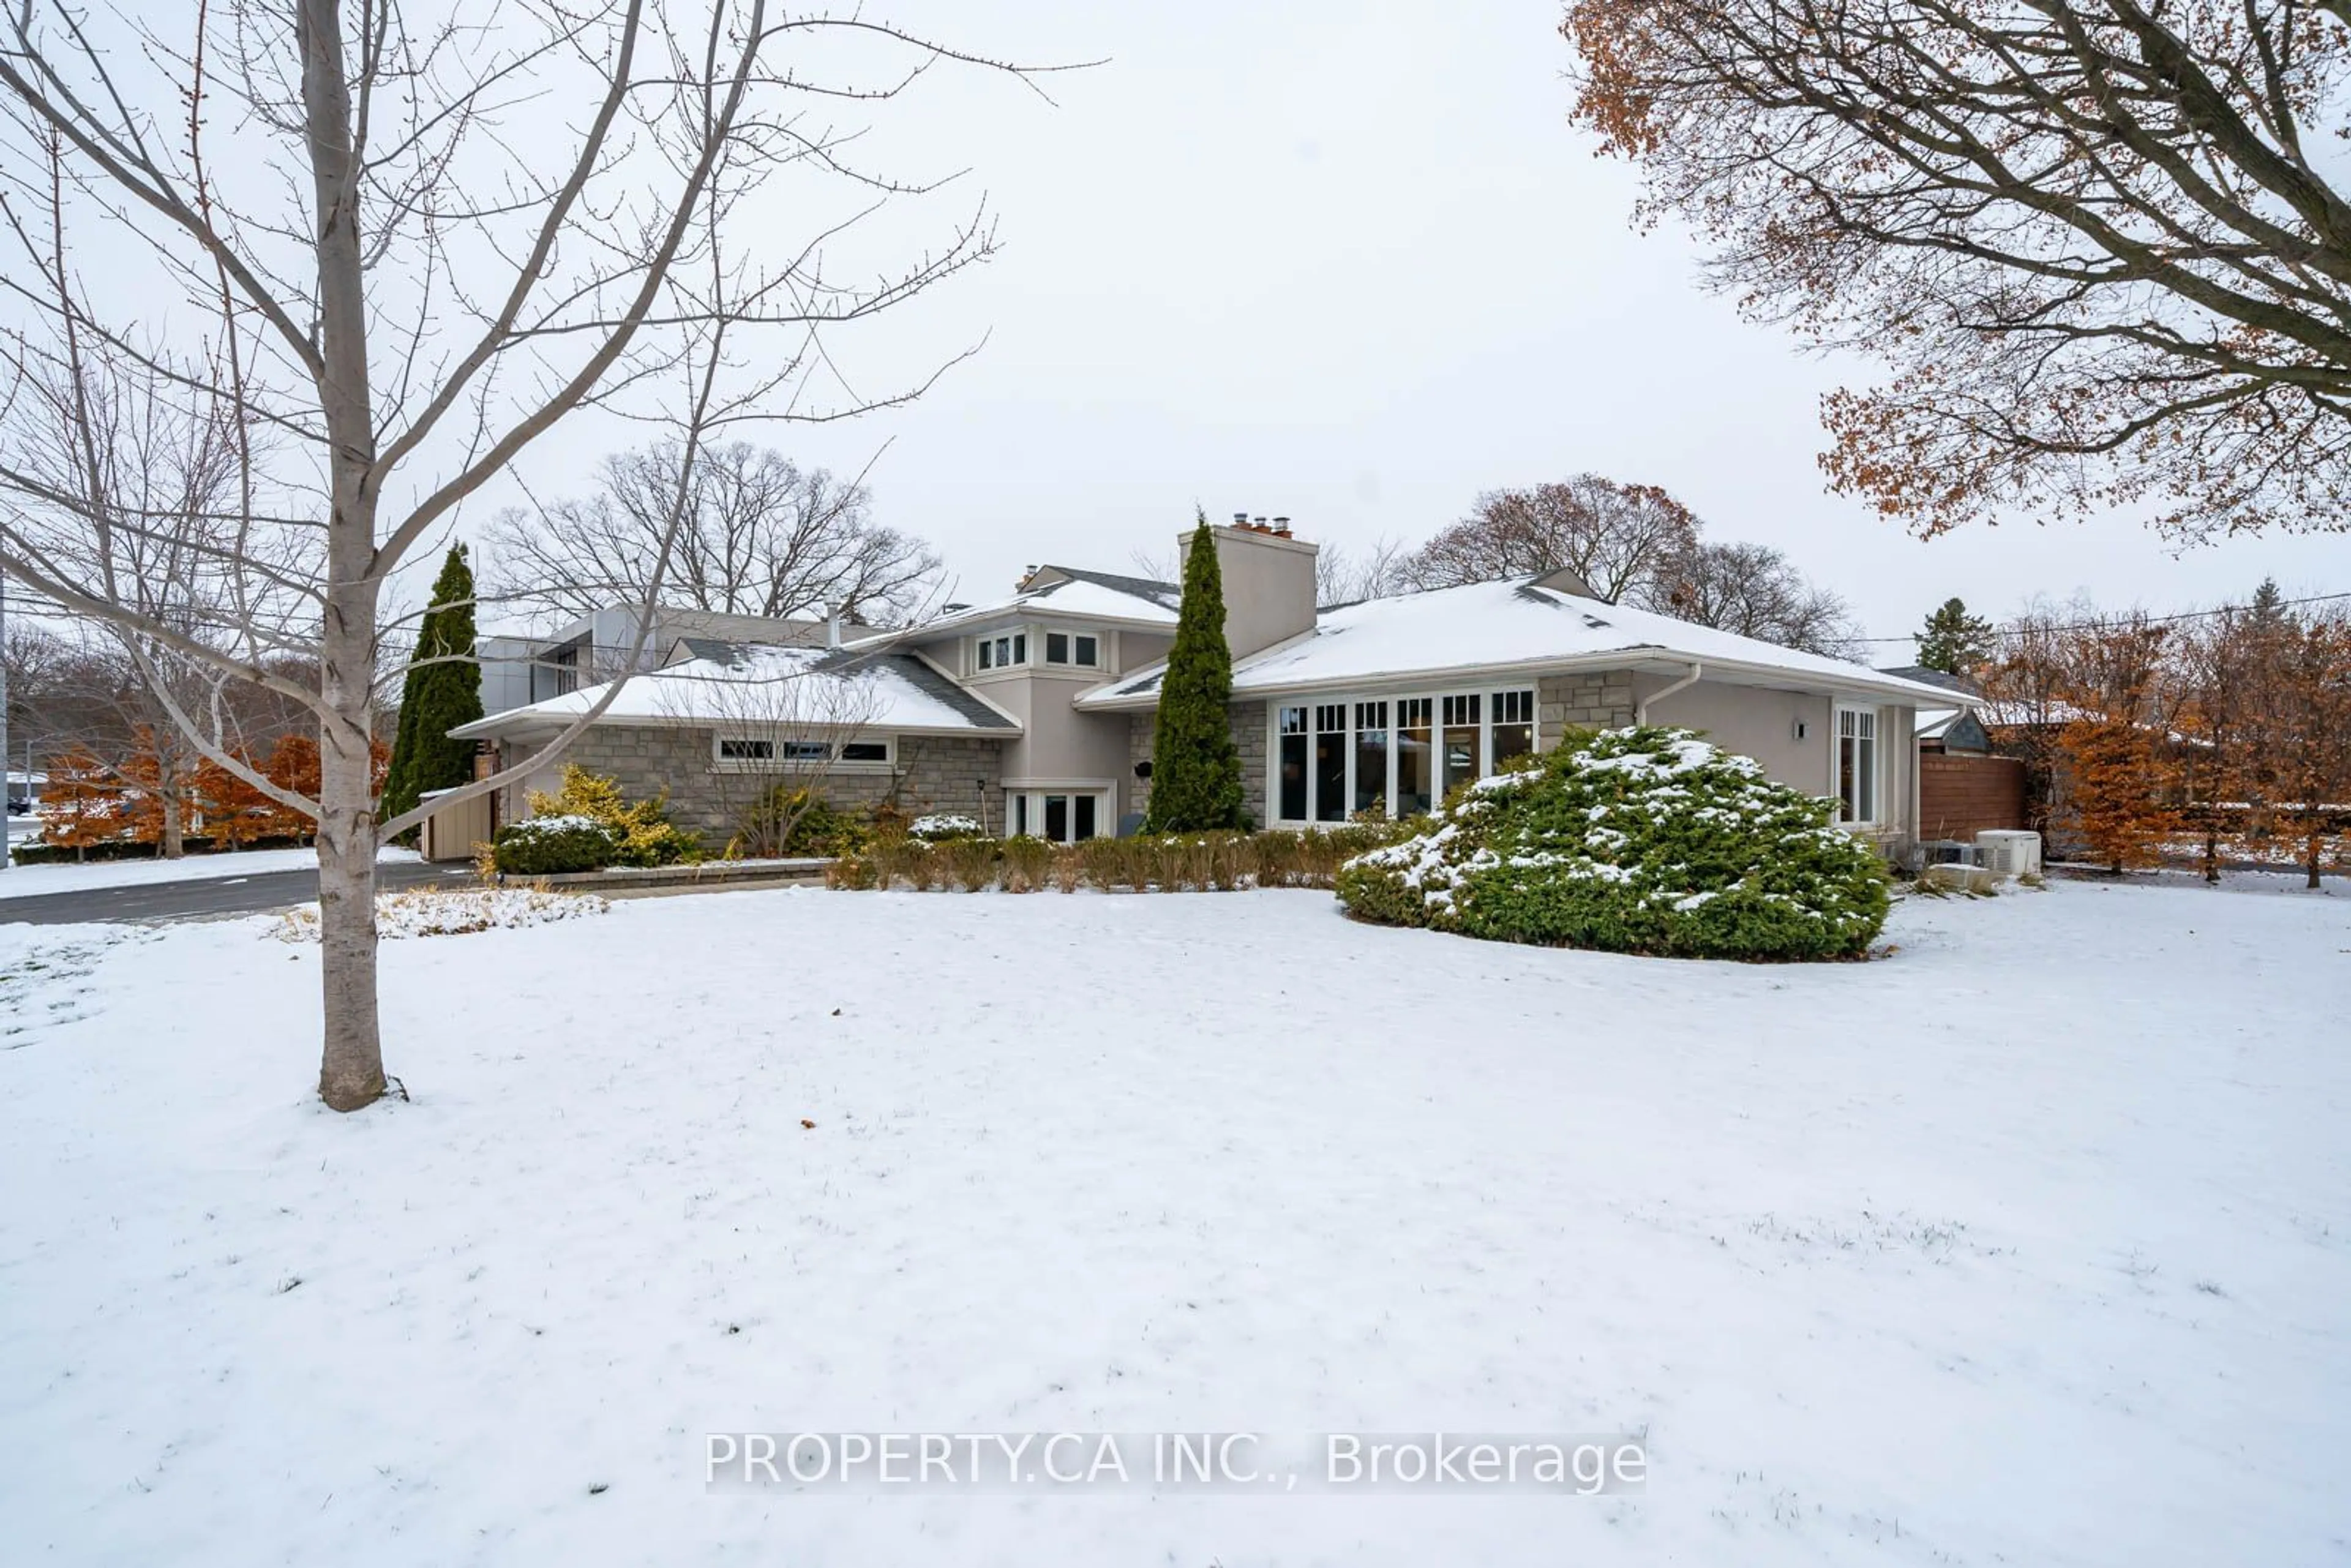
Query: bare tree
{"x": 781, "y": 721}
{"x": 1756, "y": 591}
{"x": 1343, "y": 578}
{"x": 2102, "y": 243}
{"x": 403, "y": 249}
{"x": 1617, "y": 538}
{"x": 761, "y": 536}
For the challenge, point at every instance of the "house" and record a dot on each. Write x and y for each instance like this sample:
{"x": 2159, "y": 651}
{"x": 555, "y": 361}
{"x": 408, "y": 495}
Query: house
{"x": 522, "y": 664}
{"x": 1035, "y": 713}
{"x": 1963, "y": 789}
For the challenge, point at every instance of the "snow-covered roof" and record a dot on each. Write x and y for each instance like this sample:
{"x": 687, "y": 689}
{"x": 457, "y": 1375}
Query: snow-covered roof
{"x": 1509, "y": 624}
{"x": 752, "y": 685}
{"x": 1057, "y": 591}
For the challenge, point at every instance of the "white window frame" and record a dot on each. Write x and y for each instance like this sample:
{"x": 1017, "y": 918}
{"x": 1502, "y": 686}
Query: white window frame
{"x": 1029, "y": 797}
{"x": 1487, "y": 704}
{"x": 1016, "y": 644}
{"x": 1045, "y": 636}
{"x": 1870, "y": 730}
{"x": 776, "y": 761}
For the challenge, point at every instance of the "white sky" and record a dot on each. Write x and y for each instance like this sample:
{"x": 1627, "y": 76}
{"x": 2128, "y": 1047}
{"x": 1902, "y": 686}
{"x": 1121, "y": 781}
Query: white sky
{"x": 1350, "y": 264}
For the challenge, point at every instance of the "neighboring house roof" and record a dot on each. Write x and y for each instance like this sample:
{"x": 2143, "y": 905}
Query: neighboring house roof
{"x": 1509, "y": 624}
{"x": 1954, "y": 729}
{"x": 1943, "y": 678}
{"x": 875, "y": 690}
{"x": 1057, "y": 591}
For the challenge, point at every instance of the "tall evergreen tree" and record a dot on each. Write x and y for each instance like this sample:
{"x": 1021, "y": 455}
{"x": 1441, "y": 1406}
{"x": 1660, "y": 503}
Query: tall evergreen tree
{"x": 1196, "y": 770}
{"x": 1953, "y": 641}
{"x": 2268, "y": 605}
{"x": 444, "y": 690}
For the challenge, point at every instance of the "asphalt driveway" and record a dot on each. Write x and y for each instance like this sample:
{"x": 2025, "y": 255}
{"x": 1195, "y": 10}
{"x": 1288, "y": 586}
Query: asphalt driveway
{"x": 211, "y": 898}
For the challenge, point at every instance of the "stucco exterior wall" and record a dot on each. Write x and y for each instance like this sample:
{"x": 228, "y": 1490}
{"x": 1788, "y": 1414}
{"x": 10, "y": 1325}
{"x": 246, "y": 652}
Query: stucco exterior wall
{"x": 932, "y": 773}
{"x": 1756, "y": 722}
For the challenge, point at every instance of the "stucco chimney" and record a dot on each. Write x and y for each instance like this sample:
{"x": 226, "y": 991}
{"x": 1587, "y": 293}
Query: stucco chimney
{"x": 832, "y": 628}
{"x": 1269, "y": 583}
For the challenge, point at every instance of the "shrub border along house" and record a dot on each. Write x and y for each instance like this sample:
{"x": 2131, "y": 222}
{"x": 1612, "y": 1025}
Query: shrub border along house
{"x": 1643, "y": 840}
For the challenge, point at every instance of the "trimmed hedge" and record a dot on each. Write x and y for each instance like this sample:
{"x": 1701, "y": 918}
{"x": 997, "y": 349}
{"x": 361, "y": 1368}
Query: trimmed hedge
{"x": 552, "y": 846}
{"x": 1633, "y": 841}
{"x": 1164, "y": 863}
{"x": 127, "y": 849}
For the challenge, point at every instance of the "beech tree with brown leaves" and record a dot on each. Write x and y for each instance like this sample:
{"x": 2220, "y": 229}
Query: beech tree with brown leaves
{"x": 2101, "y": 246}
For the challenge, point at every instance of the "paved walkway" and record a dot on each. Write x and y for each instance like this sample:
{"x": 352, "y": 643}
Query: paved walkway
{"x": 211, "y": 898}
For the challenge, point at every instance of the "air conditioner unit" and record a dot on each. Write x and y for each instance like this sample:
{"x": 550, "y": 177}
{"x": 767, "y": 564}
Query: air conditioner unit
{"x": 2011, "y": 853}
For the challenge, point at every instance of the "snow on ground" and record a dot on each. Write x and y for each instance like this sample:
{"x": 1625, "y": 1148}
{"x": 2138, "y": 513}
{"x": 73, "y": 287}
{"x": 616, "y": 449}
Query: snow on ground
{"x": 2029, "y": 1244}
{"x": 29, "y": 881}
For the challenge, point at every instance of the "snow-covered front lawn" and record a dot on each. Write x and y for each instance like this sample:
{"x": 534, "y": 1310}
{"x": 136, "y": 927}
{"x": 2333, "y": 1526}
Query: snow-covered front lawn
{"x": 2028, "y": 1244}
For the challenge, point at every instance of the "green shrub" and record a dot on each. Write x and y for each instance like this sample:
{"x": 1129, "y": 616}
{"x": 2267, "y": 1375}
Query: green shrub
{"x": 1636, "y": 840}
{"x": 552, "y": 846}
{"x": 970, "y": 861}
{"x": 794, "y": 821}
{"x": 1028, "y": 862}
{"x": 642, "y": 834}
{"x": 1110, "y": 862}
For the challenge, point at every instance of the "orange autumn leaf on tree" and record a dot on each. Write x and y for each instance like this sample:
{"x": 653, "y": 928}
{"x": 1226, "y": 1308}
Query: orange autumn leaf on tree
{"x": 81, "y": 803}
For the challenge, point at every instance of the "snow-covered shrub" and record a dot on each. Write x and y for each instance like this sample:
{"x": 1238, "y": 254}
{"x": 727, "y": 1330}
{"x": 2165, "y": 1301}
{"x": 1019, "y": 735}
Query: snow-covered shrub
{"x": 1636, "y": 840}
{"x": 641, "y": 833}
{"x": 938, "y": 827}
{"x": 439, "y": 912}
{"x": 550, "y": 846}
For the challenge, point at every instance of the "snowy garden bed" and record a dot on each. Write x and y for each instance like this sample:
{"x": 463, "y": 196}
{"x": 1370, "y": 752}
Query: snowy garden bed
{"x": 2027, "y": 1243}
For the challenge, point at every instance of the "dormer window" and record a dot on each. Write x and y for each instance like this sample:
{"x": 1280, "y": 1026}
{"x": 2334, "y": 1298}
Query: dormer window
{"x": 1083, "y": 649}
{"x": 1004, "y": 652}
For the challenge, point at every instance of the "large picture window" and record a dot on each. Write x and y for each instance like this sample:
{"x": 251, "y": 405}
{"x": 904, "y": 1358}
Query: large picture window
{"x": 1371, "y": 756}
{"x": 1414, "y": 757}
{"x": 1462, "y": 744}
{"x": 1857, "y": 761}
{"x": 1330, "y": 762}
{"x": 1514, "y": 727}
{"x": 1291, "y": 786}
{"x": 1396, "y": 756}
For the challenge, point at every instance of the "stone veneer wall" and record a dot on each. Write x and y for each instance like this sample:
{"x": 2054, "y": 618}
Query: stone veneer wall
{"x": 934, "y": 773}
{"x": 1248, "y": 721}
{"x": 1587, "y": 700}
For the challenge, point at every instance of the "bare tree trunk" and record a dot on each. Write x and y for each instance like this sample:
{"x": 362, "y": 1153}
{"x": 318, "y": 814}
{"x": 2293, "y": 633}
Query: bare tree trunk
{"x": 2317, "y": 841}
{"x": 174, "y": 841}
{"x": 350, "y": 1073}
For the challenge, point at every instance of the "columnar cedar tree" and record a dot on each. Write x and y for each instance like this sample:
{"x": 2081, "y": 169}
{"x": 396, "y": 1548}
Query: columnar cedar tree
{"x": 442, "y": 690}
{"x": 1195, "y": 772}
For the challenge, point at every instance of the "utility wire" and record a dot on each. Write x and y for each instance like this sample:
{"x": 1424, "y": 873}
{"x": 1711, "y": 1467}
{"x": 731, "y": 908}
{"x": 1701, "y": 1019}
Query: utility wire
{"x": 2135, "y": 621}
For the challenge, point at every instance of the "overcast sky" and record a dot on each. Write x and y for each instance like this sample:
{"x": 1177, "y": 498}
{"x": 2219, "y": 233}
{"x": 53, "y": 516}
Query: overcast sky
{"x": 1350, "y": 264}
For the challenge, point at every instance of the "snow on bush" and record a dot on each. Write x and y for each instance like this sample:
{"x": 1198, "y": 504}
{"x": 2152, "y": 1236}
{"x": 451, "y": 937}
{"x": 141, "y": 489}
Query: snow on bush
{"x": 443, "y": 912}
{"x": 1633, "y": 841}
{"x": 549, "y": 846}
{"x": 942, "y": 825}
